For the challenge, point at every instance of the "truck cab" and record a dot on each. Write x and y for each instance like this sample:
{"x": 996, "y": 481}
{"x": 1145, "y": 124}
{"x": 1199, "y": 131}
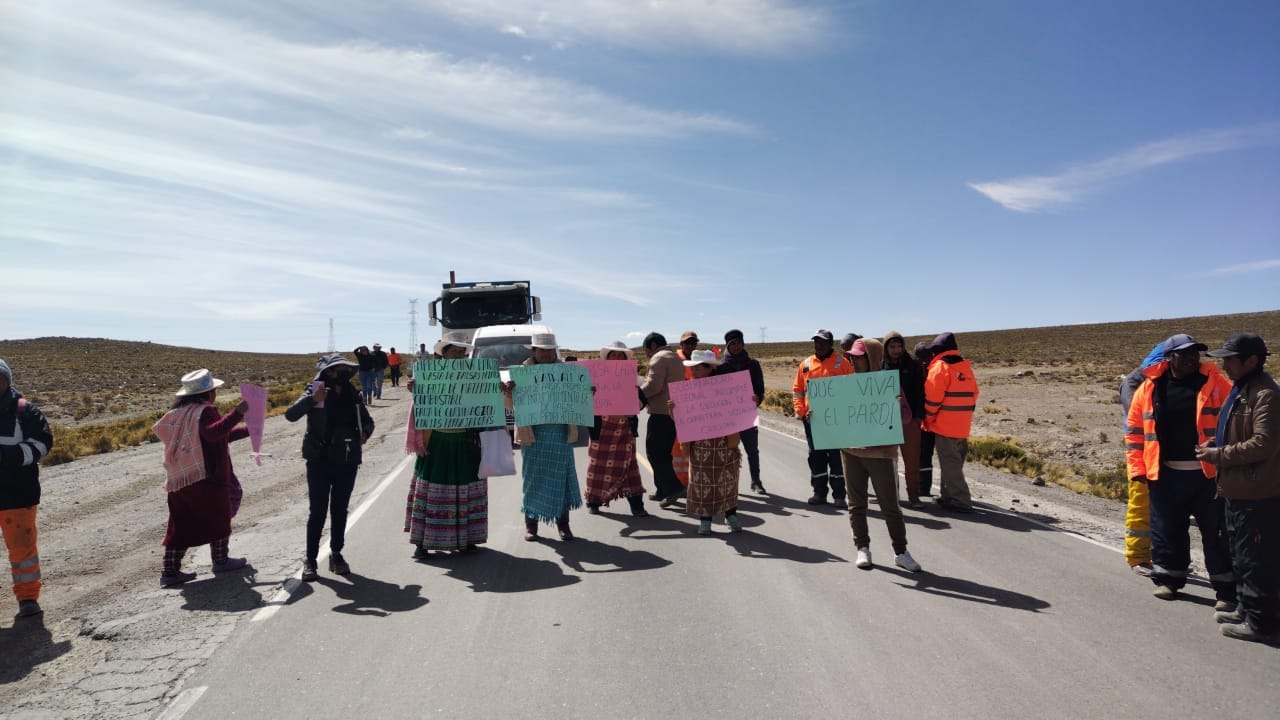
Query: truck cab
{"x": 471, "y": 305}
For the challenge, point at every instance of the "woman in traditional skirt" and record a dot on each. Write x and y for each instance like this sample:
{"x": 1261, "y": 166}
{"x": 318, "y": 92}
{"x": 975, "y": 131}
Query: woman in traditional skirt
{"x": 448, "y": 504}
{"x": 203, "y": 492}
{"x": 714, "y": 464}
{"x": 612, "y": 470}
{"x": 550, "y": 488}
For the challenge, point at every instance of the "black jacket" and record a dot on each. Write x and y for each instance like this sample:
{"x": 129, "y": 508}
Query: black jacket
{"x": 911, "y": 379}
{"x": 336, "y": 431}
{"x": 380, "y": 361}
{"x": 740, "y": 362}
{"x": 24, "y": 439}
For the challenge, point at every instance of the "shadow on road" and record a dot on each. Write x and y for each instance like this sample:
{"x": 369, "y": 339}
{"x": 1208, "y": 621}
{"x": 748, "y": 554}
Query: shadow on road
{"x": 492, "y": 570}
{"x": 26, "y": 645}
{"x": 593, "y": 556}
{"x": 757, "y": 545}
{"x": 367, "y": 596}
{"x": 911, "y": 517}
{"x": 224, "y": 593}
{"x": 967, "y": 590}
{"x": 773, "y": 504}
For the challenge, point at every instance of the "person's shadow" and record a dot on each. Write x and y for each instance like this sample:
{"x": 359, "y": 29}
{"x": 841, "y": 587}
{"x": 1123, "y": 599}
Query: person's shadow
{"x": 367, "y": 596}
{"x": 235, "y": 592}
{"x": 592, "y": 556}
{"x": 489, "y": 570}
{"x": 757, "y": 545}
{"x": 967, "y": 590}
{"x": 25, "y": 645}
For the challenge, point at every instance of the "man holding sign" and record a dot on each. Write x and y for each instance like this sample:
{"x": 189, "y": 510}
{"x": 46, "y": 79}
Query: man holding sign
{"x": 550, "y": 400}
{"x": 824, "y": 465}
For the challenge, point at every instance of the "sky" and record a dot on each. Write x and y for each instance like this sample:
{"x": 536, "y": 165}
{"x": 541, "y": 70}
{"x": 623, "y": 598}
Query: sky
{"x": 234, "y": 175}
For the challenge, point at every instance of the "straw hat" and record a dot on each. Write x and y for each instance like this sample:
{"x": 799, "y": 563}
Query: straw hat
{"x": 543, "y": 341}
{"x": 198, "y": 382}
{"x": 702, "y": 357}
{"x": 457, "y": 338}
{"x": 616, "y": 346}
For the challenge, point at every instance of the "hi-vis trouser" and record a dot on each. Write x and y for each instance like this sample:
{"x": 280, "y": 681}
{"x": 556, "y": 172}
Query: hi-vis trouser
{"x": 1137, "y": 525}
{"x": 19, "y": 528}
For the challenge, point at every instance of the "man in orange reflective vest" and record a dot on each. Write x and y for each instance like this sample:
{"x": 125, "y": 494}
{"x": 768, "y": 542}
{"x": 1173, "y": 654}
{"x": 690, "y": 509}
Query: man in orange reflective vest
{"x": 950, "y": 396}
{"x": 1175, "y": 409}
{"x": 24, "y": 439}
{"x": 824, "y": 465}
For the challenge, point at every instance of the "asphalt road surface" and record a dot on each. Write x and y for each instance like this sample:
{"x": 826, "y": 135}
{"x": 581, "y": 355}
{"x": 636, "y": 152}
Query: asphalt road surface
{"x": 642, "y": 618}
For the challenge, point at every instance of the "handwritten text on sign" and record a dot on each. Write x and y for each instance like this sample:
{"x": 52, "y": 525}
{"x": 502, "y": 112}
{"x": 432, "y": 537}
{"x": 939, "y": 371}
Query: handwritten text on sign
{"x": 615, "y": 383}
{"x": 457, "y": 394}
{"x": 859, "y": 410}
{"x": 713, "y": 407}
{"x": 552, "y": 394}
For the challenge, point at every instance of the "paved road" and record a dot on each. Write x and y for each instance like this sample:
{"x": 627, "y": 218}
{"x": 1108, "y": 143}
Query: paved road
{"x": 641, "y": 618}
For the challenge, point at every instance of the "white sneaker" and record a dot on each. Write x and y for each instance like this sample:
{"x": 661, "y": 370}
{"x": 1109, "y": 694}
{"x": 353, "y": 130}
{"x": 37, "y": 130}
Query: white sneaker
{"x": 864, "y": 558}
{"x": 906, "y": 562}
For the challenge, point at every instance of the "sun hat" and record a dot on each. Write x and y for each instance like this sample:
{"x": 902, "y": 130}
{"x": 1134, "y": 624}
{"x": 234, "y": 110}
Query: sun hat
{"x": 332, "y": 360}
{"x": 1182, "y": 341}
{"x": 615, "y": 346}
{"x": 198, "y": 382}
{"x": 543, "y": 341}
{"x": 702, "y": 357}
{"x": 377, "y": 345}
{"x": 1243, "y": 344}
{"x": 460, "y": 338}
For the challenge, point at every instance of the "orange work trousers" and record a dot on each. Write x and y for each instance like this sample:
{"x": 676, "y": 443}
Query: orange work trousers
{"x": 19, "y": 527}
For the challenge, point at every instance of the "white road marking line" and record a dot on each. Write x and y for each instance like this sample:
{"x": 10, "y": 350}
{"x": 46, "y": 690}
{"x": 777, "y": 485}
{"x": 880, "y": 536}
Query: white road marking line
{"x": 281, "y": 598}
{"x": 181, "y": 704}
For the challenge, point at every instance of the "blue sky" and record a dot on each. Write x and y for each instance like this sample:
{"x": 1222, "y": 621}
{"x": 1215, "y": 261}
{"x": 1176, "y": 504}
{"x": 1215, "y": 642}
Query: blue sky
{"x": 232, "y": 175}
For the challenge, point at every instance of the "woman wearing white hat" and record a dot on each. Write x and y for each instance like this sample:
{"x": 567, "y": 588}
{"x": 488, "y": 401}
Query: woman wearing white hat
{"x": 714, "y": 463}
{"x": 338, "y": 424}
{"x": 203, "y": 492}
{"x": 550, "y": 478}
{"x": 448, "y": 504}
{"x": 612, "y": 470}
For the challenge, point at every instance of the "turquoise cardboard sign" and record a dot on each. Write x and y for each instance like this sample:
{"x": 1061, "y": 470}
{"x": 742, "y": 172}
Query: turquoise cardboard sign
{"x": 552, "y": 394}
{"x": 451, "y": 394}
{"x": 859, "y": 410}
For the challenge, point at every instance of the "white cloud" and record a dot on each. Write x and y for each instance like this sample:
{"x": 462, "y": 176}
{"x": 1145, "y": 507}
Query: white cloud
{"x": 739, "y": 27}
{"x": 1247, "y": 267}
{"x": 1034, "y": 193}
{"x": 513, "y": 30}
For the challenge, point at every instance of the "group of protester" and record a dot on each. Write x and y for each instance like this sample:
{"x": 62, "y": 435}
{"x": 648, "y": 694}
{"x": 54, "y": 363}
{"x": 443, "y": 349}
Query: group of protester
{"x": 1203, "y": 443}
{"x": 373, "y": 368}
{"x": 1198, "y": 444}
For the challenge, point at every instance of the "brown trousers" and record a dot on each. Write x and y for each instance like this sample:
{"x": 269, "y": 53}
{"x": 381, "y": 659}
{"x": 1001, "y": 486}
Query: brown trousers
{"x": 911, "y": 457}
{"x": 857, "y": 470}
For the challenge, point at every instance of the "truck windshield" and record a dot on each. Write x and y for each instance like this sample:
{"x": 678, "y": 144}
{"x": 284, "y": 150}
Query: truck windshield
{"x": 474, "y": 310}
{"x": 507, "y": 351}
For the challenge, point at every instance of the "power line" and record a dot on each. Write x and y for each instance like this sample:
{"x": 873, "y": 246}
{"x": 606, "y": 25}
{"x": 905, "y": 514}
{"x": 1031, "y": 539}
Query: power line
{"x": 413, "y": 325}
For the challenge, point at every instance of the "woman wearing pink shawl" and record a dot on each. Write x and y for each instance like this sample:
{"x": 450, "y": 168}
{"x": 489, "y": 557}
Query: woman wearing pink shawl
{"x": 204, "y": 493}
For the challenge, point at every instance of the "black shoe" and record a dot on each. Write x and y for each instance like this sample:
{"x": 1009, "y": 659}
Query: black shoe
{"x": 530, "y": 532}
{"x": 309, "y": 570}
{"x": 28, "y": 608}
{"x": 655, "y": 497}
{"x": 757, "y": 488}
{"x": 338, "y": 566}
{"x": 593, "y": 509}
{"x": 420, "y": 554}
{"x": 817, "y": 500}
{"x": 840, "y": 503}
{"x": 565, "y": 533}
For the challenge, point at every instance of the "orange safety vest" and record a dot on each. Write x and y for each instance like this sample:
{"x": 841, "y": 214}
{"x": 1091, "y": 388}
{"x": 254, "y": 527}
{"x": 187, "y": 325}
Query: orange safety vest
{"x": 950, "y": 397}
{"x": 1142, "y": 445}
{"x": 393, "y": 359}
{"x": 835, "y": 364}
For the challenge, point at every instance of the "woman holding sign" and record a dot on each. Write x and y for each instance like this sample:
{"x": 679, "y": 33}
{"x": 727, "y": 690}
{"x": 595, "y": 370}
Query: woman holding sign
{"x": 714, "y": 463}
{"x": 550, "y": 488}
{"x": 448, "y": 508}
{"x": 203, "y": 492}
{"x": 612, "y": 470}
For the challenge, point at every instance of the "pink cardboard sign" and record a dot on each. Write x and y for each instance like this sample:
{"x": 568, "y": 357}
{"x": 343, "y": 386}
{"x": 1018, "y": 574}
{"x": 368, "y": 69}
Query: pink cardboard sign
{"x": 256, "y": 417}
{"x": 713, "y": 407}
{"x": 615, "y": 384}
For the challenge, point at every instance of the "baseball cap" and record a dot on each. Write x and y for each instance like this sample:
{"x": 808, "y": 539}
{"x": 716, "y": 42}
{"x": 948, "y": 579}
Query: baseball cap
{"x": 821, "y": 334}
{"x": 859, "y": 347}
{"x": 688, "y": 335}
{"x": 1244, "y": 344}
{"x": 733, "y": 335}
{"x": 1182, "y": 341}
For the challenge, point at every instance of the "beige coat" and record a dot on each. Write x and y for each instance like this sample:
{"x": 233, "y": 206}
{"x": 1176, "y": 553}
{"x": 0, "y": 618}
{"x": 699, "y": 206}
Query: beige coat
{"x": 665, "y": 367}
